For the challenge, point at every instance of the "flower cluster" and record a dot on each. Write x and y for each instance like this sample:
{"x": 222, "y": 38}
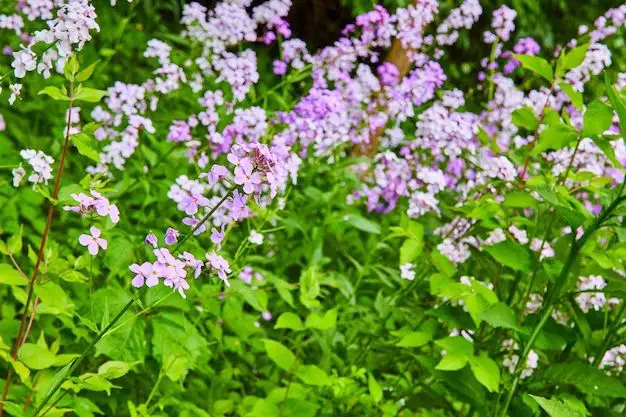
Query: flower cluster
{"x": 41, "y": 165}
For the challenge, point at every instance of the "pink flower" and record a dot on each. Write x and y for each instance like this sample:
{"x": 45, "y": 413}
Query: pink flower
{"x": 217, "y": 237}
{"x": 245, "y": 176}
{"x": 93, "y": 241}
{"x": 193, "y": 222}
{"x": 221, "y": 266}
{"x": 146, "y": 272}
{"x": 171, "y": 236}
{"x": 217, "y": 173}
{"x": 151, "y": 240}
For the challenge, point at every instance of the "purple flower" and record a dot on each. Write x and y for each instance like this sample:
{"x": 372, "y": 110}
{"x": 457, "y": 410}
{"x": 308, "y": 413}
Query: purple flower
{"x": 280, "y": 67}
{"x": 220, "y": 265}
{"x": 190, "y": 203}
{"x": 145, "y": 273}
{"x": 217, "y": 173}
{"x": 245, "y": 176}
{"x": 240, "y": 209}
{"x": 267, "y": 316}
{"x": 193, "y": 222}
{"x": 151, "y": 240}
{"x": 171, "y": 236}
{"x": 217, "y": 237}
{"x": 93, "y": 242}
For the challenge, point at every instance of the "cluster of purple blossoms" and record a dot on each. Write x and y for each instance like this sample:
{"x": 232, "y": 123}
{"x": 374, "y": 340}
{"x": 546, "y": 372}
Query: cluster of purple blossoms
{"x": 41, "y": 165}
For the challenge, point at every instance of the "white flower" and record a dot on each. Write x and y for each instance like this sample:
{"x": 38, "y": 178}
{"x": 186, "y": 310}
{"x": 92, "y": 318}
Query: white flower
{"x": 407, "y": 272}
{"x": 16, "y": 89}
{"x": 18, "y": 174}
{"x": 23, "y": 61}
{"x": 255, "y": 238}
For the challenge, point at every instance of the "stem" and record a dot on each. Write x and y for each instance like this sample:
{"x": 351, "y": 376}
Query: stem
{"x": 609, "y": 335}
{"x": 31, "y": 286}
{"x": 204, "y": 219}
{"x": 77, "y": 362}
{"x": 119, "y": 315}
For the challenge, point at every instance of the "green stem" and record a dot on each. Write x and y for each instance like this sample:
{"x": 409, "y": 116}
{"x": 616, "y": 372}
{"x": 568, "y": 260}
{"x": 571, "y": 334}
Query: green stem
{"x": 609, "y": 335}
{"x": 77, "y": 362}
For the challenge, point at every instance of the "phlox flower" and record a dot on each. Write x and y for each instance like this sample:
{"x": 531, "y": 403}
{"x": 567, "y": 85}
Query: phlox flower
{"x": 145, "y": 273}
{"x": 93, "y": 242}
{"x": 151, "y": 240}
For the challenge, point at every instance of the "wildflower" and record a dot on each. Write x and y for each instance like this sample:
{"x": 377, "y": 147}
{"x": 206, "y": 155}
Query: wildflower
{"x": 93, "y": 242}
{"x": 171, "y": 236}
{"x": 221, "y": 266}
{"x": 151, "y": 240}
{"x": 245, "y": 176}
{"x": 18, "y": 174}
{"x": 407, "y": 272}
{"x": 255, "y": 237}
{"x": 145, "y": 273}
{"x": 217, "y": 237}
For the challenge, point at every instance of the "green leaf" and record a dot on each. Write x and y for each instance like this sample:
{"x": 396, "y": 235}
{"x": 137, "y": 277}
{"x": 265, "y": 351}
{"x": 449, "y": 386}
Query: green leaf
{"x": 322, "y": 322}
{"x": 14, "y": 244}
{"x": 452, "y": 363}
{"x": 10, "y": 276}
{"x": 597, "y": 119}
{"x": 176, "y": 367}
{"x": 90, "y": 95}
{"x": 410, "y": 250}
{"x": 524, "y": 118}
{"x": 618, "y": 103}
{"x": 36, "y": 357}
{"x": 512, "y": 255}
{"x": 415, "y": 339}
{"x": 114, "y": 369}
{"x": 55, "y": 93}
{"x": 555, "y": 137}
{"x": 312, "y": 375}
{"x": 486, "y": 371}
{"x": 71, "y": 68}
{"x": 575, "y": 96}
{"x": 519, "y": 199}
{"x": 279, "y": 354}
{"x": 574, "y": 58}
{"x": 363, "y": 224}
{"x": 85, "y": 74}
{"x": 556, "y": 408}
{"x": 83, "y": 144}
{"x": 289, "y": 321}
{"x": 295, "y": 407}
{"x": 456, "y": 345}
{"x": 501, "y": 315}
{"x": 537, "y": 65}
{"x": 376, "y": 392}
{"x": 586, "y": 378}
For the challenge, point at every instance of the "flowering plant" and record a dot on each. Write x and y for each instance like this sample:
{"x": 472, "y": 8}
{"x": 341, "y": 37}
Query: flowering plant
{"x": 243, "y": 225}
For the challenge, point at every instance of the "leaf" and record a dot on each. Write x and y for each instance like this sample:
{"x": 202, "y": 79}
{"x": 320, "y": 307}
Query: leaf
{"x": 556, "y": 408}
{"x": 555, "y": 137}
{"x": 83, "y": 144}
{"x": 376, "y": 392}
{"x": 312, "y": 375}
{"x": 415, "y": 339}
{"x": 486, "y": 371}
{"x": 363, "y": 224}
{"x": 71, "y": 68}
{"x": 410, "y": 250}
{"x": 114, "y": 369}
{"x": 618, "y": 103}
{"x": 14, "y": 244}
{"x": 90, "y": 95}
{"x": 176, "y": 367}
{"x": 512, "y": 255}
{"x": 295, "y": 407}
{"x": 501, "y": 315}
{"x": 10, "y": 276}
{"x": 597, "y": 118}
{"x": 574, "y": 58}
{"x": 452, "y": 363}
{"x": 575, "y": 96}
{"x": 85, "y": 74}
{"x": 586, "y": 378}
{"x": 279, "y": 354}
{"x": 325, "y": 322}
{"x": 605, "y": 146}
{"x": 36, "y": 356}
{"x": 289, "y": 321}
{"x": 537, "y": 65}
{"x": 55, "y": 93}
{"x": 524, "y": 118}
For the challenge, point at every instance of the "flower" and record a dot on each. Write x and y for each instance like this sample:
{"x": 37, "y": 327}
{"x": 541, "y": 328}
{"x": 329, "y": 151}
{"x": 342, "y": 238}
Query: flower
{"x": 146, "y": 272}
{"x": 151, "y": 240}
{"x": 245, "y": 176}
{"x": 217, "y": 237}
{"x": 220, "y": 264}
{"x": 255, "y": 237}
{"x": 93, "y": 242}
{"x": 407, "y": 272}
{"x": 171, "y": 236}
{"x": 18, "y": 174}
